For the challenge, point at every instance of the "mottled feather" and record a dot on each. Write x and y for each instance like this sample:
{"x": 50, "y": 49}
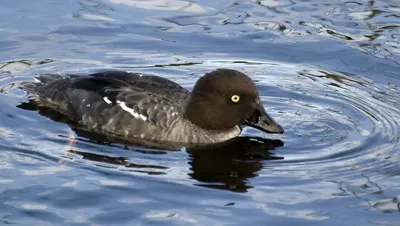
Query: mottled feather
{"x": 145, "y": 102}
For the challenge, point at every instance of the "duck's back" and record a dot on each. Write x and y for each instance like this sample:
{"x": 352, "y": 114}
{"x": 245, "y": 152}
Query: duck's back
{"x": 117, "y": 103}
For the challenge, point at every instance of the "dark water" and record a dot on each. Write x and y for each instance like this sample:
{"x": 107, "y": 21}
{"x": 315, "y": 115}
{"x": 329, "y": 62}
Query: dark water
{"x": 328, "y": 71}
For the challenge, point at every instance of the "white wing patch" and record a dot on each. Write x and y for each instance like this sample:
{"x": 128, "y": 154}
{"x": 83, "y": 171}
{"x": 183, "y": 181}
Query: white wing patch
{"x": 131, "y": 111}
{"x": 37, "y": 80}
{"x": 108, "y": 101}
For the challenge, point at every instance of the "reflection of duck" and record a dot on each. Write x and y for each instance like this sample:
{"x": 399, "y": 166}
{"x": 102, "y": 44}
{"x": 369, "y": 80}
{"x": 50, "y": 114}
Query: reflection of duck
{"x": 138, "y": 107}
{"x": 228, "y": 165}
{"x": 225, "y": 166}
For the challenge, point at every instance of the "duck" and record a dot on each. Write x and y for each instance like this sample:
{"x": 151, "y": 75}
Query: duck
{"x": 133, "y": 106}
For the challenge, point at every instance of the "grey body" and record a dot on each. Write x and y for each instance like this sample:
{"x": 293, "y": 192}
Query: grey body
{"x": 130, "y": 106}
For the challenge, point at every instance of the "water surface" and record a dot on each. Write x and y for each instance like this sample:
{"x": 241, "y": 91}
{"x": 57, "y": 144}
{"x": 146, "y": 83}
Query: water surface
{"x": 327, "y": 71}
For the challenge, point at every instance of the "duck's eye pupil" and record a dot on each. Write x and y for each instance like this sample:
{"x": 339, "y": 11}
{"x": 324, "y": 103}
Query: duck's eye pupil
{"x": 235, "y": 98}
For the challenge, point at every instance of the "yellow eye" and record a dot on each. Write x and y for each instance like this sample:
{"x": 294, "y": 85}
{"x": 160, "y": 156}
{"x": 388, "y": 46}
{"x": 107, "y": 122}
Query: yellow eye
{"x": 235, "y": 98}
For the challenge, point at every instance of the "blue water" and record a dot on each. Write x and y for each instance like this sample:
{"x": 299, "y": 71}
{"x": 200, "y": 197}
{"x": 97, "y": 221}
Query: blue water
{"x": 327, "y": 71}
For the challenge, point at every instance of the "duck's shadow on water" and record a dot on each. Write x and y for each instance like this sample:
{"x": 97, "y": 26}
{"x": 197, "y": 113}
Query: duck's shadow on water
{"x": 227, "y": 165}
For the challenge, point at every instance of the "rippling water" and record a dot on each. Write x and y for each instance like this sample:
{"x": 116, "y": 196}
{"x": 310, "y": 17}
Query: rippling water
{"x": 328, "y": 71}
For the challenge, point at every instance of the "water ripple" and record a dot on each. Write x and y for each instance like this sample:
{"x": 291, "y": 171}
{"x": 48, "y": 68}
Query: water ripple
{"x": 326, "y": 70}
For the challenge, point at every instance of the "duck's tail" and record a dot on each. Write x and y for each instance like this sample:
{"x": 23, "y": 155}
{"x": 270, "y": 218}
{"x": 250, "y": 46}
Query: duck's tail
{"x": 48, "y": 90}
{"x": 36, "y": 87}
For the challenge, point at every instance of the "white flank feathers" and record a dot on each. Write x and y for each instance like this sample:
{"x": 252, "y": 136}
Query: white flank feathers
{"x": 108, "y": 101}
{"x": 144, "y": 118}
{"x": 131, "y": 111}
